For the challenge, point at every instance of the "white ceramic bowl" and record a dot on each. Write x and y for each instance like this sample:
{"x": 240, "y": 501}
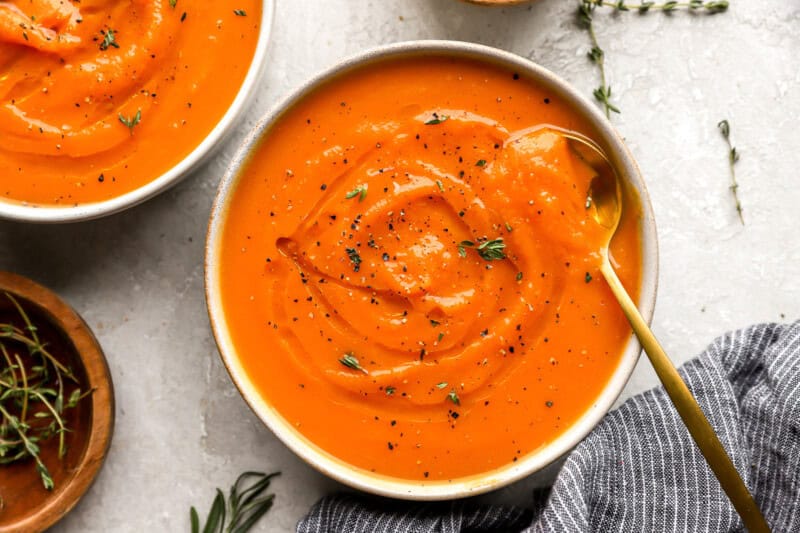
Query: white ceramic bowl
{"x": 201, "y": 153}
{"x": 367, "y": 481}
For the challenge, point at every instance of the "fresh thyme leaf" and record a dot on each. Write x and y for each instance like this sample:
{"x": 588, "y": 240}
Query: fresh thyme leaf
{"x": 131, "y": 122}
{"x": 509, "y": 228}
{"x": 240, "y": 12}
{"x": 439, "y": 184}
{"x": 390, "y": 390}
{"x": 440, "y": 337}
{"x": 109, "y": 39}
{"x": 441, "y": 385}
{"x": 351, "y": 361}
{"x": 603, "y": 95}
{"x": 453, "y": 397}
{"x": 588, "y": 277}
{"x": 492, "y": 250}
{"x": 434, "y": 323}
{"x": 733, "y": 157}
{"x": 480, "y": 163}
{"x": 519, "y": 276}
{"x": 489, "y": 250}
{"x": 360, "y": 191}
{"x": 352, "y": 253}
{"x": 437, "y": 119}
{"x": 245, "y": 506}
{"x": 173, "y": 3}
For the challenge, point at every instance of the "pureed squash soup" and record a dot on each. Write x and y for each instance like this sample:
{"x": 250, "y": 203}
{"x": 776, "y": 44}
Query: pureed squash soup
{"x": 409, "y": 269}
{"x": 100, "y": 97}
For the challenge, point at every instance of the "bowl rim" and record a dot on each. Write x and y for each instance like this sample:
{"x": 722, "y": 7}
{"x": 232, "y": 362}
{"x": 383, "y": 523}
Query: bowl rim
{"x": 66, "y": 319}
{"x": 49, "y": 214}
{"x": 535, "y": 461}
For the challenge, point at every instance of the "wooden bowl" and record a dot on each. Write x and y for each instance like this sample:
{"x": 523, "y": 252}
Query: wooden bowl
{"x": 27, "y": 506}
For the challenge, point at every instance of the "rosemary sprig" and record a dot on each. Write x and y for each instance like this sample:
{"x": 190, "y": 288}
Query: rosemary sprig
{"x": 586, "y": 9}
{"x": 492, "y": 250}
{"x": 245, "y": 505}
{"x": 733, "y": 157}
{"x": 32, "y": 387}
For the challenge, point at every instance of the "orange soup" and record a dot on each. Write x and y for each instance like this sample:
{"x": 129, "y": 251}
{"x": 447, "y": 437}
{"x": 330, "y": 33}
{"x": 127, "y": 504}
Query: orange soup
{"x": 99, "y": 97}
{"x": 409, "y": 269}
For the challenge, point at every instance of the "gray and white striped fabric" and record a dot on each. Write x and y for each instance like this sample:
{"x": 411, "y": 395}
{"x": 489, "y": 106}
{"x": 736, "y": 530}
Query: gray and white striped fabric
{"x": 639, "y": 470}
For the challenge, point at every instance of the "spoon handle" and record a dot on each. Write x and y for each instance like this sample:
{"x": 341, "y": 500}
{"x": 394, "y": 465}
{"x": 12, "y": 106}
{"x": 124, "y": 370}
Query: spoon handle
{"x": 689, "y": 410}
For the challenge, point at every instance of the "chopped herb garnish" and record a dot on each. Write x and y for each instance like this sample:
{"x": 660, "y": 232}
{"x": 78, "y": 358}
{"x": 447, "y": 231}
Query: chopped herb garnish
{"x": 173, "y": 3}
{"x": 439, "y": 184}
{"x": 440, "y": 337}
{"x": 435, "y": 323}
{"x": 360, "y": 191}
{"x": 108, "y": 40}
{"x": 437, "y": 119}
{"x": 453, "y": 397}
{"x": 441, "y": 385}
{"x": 480, "y": 163}
{"x": 390, "y": 390}
{"x": 489, "y": 250}
{"x": 588, "y": 277}
{"x": 240, "y": 12}
{"x": 509, "y": 228}
{"x": 131, "y": 122}
{"x": 351, "y": 361}
{"x": 352, "y": 253}
{"x": 519, "y": 276}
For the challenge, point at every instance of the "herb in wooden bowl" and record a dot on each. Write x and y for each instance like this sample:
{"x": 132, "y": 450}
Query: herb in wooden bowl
{"x": 54, "y": 433}
{"x": 36, "y": 389}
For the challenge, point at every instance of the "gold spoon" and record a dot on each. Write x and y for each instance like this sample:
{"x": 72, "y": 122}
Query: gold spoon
{"x": 606, "y": 198}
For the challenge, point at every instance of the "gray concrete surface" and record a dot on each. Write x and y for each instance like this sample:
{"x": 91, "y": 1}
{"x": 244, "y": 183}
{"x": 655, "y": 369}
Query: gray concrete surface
{"x": 182, "y": 428}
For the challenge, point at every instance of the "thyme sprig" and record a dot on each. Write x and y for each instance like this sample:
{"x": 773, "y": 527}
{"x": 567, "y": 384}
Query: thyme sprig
{"x": 733, "y": 157}
{"x": 32, "y": 395}
{"x": 596, "y": 54}
{"x": 245, "y": 505}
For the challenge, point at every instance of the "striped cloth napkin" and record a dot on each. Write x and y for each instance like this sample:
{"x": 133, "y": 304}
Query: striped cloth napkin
{"x": 639, "y": 470}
